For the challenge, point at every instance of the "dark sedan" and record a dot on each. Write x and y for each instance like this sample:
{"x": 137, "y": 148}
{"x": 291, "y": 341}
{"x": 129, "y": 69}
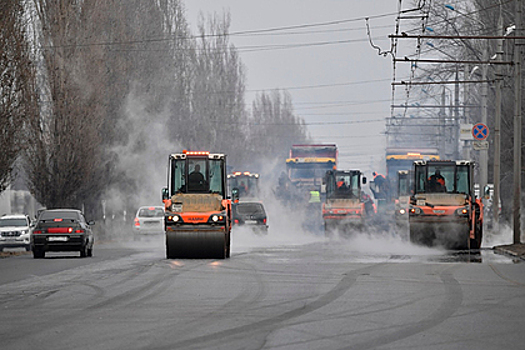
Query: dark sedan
{"x": 250, "y": 214}
{"x": 62, "y": 230}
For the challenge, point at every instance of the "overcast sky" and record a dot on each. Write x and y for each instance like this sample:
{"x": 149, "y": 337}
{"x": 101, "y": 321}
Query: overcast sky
{"x": 339, "y": 84}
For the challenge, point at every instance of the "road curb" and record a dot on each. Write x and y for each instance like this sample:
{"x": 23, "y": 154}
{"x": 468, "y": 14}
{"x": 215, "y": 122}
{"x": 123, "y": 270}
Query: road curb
{"x": 8, "y": 254}
{"x": 510, "y": 251}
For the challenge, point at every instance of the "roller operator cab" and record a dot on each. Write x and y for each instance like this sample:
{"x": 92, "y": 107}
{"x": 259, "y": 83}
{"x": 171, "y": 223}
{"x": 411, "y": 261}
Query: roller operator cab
{"x": 443, "y": 209}
{"x": 345, "y": 206}
{"x": 197, "y": 208}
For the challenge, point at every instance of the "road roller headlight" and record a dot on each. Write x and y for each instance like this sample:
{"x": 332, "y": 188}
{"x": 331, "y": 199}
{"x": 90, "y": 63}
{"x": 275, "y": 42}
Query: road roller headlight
{"x": 216, "y": 219}
{"x": 173, "y": 219}
{"x": 415, "y": 211}
{"x": 462, "y": 211}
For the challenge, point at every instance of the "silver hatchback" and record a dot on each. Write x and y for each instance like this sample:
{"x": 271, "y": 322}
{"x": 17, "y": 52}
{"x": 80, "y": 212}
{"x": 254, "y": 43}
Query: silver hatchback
{"x": 149, "y": 221}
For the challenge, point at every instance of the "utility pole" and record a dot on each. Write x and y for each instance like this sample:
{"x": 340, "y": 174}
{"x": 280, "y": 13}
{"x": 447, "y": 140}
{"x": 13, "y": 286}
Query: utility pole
{"x": 442, "y": 129}
{"x": 497, "y": 128}
{"x": 456, "y": 115}
{"x": 483, "y": 154}
{"x": 466, "y": 117}
{"x": 517, "y": 127}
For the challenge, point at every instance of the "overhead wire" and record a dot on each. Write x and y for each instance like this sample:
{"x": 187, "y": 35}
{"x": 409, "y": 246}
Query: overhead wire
{"x": 230, "y": 34}
{"x": 441, "y": 49}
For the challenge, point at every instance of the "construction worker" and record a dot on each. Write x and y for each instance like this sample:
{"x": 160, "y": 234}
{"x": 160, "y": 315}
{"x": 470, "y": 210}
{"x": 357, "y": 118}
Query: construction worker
{"x": 243, "y": 189}
{"x": 379, "y": 189}
{"x": 370, "y": 206}
{"x": 315, "y": 196}
{"x": 341, "y": 183}
{"x": 436, "y": 182}
{"x": 379, "y": 179}
{"x": 196, "y": 179}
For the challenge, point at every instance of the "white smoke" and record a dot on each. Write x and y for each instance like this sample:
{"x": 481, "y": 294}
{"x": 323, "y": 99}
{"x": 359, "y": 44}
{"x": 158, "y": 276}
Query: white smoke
{"x": 502, "y": 235}
{"x": 144, "y": 159}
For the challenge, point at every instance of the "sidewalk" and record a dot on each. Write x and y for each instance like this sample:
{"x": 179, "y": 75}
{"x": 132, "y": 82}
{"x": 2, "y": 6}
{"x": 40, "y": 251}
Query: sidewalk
{"x": 515, "y": 250}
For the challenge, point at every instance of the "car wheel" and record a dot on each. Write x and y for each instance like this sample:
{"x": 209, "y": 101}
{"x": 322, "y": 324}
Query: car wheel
{"x": 39, "y": 253}
{"x": 90, "y": 252}
{"x": 84, "y": 251}
{"x": 28, "y": 248}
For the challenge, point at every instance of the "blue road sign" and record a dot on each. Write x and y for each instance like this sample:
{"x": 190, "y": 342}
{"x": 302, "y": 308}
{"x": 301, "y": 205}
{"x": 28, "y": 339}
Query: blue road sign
{"x": 480, "y": 131}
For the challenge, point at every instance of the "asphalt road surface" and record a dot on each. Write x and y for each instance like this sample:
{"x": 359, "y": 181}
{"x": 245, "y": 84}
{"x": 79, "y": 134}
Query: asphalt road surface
{"x": 287, "y": 291}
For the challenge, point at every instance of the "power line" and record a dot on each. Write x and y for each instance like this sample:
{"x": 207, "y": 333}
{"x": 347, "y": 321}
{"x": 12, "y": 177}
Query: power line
{"x": 319, "y": 86}
{"x": 343, "y": 105}
{"x": 238, "y": 33}
{"x": 347, "y": 122}
{"x": 312, "y": 123}
{"x": 318, "y": 31}
{"x": 252, "y": 48}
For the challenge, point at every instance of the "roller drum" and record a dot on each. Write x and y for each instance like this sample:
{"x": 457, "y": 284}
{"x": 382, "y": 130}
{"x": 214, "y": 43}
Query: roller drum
{"x": 196, "y": 244}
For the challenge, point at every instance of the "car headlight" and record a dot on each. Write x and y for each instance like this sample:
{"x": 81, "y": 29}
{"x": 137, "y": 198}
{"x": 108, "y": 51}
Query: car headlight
{"x": 402, "y": 211}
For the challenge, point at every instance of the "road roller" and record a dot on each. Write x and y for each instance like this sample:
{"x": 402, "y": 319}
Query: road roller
{"x": 197, "y": 208}
{"x": 443, "y": 209}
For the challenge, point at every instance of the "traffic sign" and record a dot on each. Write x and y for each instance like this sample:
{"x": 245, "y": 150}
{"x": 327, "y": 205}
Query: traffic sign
{"x": 465, "y": 132}
{"x": 480, "y": 131}
{"x": 480, "y": 145}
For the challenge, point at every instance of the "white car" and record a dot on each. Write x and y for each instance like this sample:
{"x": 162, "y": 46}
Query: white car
{"x": 149, "y": 221}
{"x": 15, "y": 232}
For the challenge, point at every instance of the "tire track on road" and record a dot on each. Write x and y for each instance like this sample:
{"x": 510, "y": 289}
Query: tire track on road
{"x": 452, "y": 300}
{"x": 502, "y": 276}
{"x": 269, "y": 324}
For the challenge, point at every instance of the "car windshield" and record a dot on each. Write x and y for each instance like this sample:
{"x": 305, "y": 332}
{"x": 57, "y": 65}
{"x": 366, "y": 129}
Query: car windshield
{"x": 343, "y": 185}
{"x": 445, "y": 178}
{"x": 197, "y": 175}
{"x": 151, "y": 212}
{"x": 13, "y": 222}
{"x": 310, "y": 171}
{"x": 50, "y": 215}
{"x": 250, "y": 209}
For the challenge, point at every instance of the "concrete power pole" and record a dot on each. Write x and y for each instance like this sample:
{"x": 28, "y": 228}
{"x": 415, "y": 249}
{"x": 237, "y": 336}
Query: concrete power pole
{"x": 517, "y": 127}
{"x": 456, "y": 115}
{"x": 442, "y": 128}
{"x": 483, "y": 154}
{"x": 497, "y": 127}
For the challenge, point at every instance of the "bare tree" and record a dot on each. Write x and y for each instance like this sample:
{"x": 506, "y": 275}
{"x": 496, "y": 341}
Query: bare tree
{"x": 273, "y": 125}
{"x": 64, "y": 142}
{"x": 16, "y": 84}
{"x": 94, "y": 57}
{"x": 95, "y": 54}
{"x": 217, "y": 94}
